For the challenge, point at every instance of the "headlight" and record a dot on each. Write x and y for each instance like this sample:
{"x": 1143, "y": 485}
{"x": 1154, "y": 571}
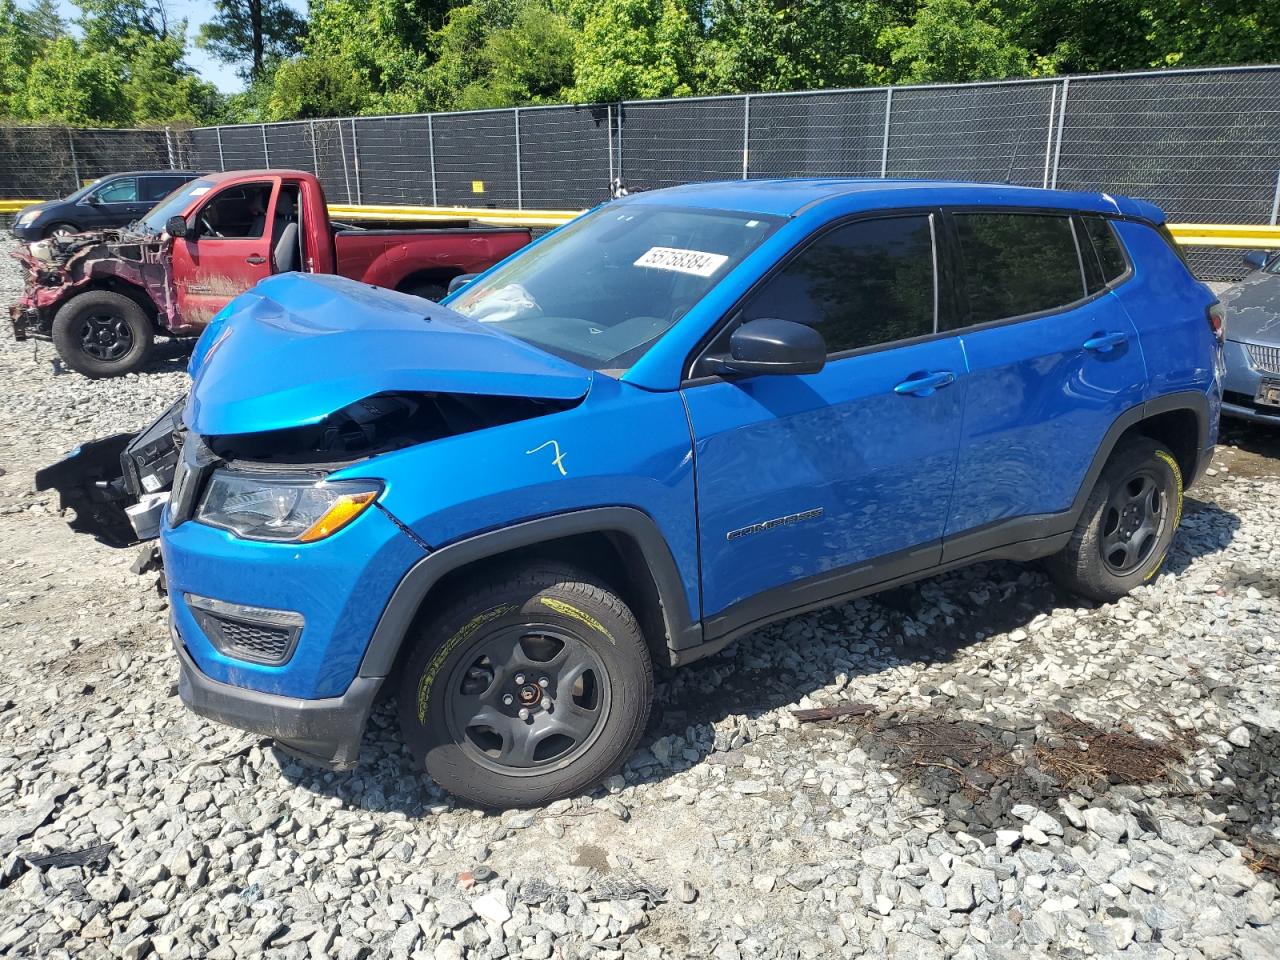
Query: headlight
{"x": 27, "y": 218}
{"x": 258, "y": 507}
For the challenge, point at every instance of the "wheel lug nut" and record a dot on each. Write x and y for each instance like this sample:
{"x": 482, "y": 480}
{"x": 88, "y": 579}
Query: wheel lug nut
{"x": 546, "y": 704}
{"x": 508, "y": 699}
{"x": 524, "y": 713}
{"x": 519, "y": 678}
{"x": 544, "y": 682}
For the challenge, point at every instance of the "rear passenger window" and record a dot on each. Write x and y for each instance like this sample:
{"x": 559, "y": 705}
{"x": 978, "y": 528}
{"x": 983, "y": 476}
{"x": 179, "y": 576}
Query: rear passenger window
{"x": 1018, "y": 263}
{"x": 860, "y": 285}
{"x": 1107, "y": 253}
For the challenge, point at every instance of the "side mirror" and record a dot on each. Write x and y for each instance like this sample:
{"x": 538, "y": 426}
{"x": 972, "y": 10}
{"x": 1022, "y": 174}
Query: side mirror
{"x": 775, "y": 346}
{"x": 93, "y": 200}
{"x": 1256, "y": 259}
{"x": 460, "y": 281}
{"x": 176, "y": 227}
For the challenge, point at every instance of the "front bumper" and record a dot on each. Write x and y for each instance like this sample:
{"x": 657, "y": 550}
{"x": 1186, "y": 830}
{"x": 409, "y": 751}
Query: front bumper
{"x": 325, "y": 732}
{"x": 1240, "y": 387}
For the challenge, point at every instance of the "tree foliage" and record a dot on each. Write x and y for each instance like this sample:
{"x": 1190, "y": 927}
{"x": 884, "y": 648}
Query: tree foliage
{"x": 124, "y": 61}
{"x": 248, "y": 34}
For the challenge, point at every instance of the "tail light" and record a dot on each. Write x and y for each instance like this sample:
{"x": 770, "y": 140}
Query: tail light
{"x": 1217, "y": 317}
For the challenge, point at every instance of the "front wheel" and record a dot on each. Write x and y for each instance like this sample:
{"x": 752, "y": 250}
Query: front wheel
{"x": 61, "y": 229}
{"x": 534, "y": 685}
{"x": 1127, "y": 525}
{"x": 102, "y": 334}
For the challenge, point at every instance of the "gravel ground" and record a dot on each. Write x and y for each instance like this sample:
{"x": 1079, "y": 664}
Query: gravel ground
{"x": 1035, "y": 778}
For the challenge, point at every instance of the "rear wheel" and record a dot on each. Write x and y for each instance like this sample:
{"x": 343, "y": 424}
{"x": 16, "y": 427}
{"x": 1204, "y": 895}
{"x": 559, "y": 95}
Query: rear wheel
{"x": 102, "y": 334}
{"x": 427, "y": 289}
{"x": 532, "y": 686}
{"x": 1127, "y": 525}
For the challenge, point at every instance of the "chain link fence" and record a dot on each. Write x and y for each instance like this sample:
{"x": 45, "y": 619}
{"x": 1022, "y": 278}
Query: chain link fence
{"x": 41, "y": 163}
{"x": 1203, "y": 144}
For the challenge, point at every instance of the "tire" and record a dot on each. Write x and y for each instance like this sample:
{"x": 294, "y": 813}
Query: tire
{"x": 566, "y": 637}
{"x": 59, "y": 229}
{"x": 427, "y": 289}
{"x": 1129, "y": 521}
{"x": 102, "y": 334}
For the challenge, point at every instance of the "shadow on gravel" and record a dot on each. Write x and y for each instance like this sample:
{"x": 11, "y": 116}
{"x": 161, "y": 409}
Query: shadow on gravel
{"x": 168, "y": 356}
{"x": 1255, "y": 438}
{"x": 1206, "y": 529}
{"x": 1247, "y": 793}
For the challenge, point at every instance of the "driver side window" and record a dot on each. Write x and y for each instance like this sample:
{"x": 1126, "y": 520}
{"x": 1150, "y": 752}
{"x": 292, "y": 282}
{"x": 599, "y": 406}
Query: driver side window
{"x": 237, "y": 213}
{"x": 118, "y": 191}
{"x": 860, "y": 285}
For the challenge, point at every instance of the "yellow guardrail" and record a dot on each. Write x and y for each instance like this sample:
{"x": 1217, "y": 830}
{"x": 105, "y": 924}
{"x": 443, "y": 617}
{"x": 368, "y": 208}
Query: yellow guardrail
{"x": 1243, "y": 236}
{"x": 485, "y": 215}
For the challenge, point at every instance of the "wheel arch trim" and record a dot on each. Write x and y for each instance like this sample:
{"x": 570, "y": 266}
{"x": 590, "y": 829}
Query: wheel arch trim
{"x": 408, "y": 596}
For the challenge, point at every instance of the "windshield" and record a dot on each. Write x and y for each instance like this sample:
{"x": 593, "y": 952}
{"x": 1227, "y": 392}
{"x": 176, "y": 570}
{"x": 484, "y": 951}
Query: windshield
{"x": 174, "y": 204}
{"x": 85, "y": 190}
{"x": 601, "y": 290}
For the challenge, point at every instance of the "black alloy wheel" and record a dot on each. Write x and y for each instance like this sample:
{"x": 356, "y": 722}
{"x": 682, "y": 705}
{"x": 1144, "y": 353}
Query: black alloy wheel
{"x": 528, "y": 698}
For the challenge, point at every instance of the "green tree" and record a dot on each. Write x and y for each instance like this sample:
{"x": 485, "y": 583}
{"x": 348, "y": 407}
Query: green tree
{"x": 18, "y": 49}
{"x": 249, "y": 33}
{"x": 499, "y": 53}
{"x": 69, "y": 84}
{"x": 636, "y": 48}
{"x": 313, "y": 87}
{"x": 955, "y": 41}
{"x": 1185, "y": 33}
{"x": 780, "y": 45}
{"x": 44, "y": 21}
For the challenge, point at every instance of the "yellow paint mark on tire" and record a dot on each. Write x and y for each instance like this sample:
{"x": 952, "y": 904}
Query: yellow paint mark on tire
{"x": 569, "y": 610}
{"x": 1177, "y": 515}
{"x": 433, "y": 668}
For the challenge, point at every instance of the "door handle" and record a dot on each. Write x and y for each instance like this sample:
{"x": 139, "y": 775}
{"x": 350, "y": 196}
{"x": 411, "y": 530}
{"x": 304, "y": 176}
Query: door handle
{"x": 925, "y": 384}
{"x": 255, "y": 259}
{"x": 1105, "y": 342}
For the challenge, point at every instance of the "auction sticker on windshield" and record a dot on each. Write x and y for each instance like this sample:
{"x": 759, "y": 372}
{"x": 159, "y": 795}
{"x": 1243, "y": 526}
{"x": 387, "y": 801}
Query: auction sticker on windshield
{"x": 682, "y": 261}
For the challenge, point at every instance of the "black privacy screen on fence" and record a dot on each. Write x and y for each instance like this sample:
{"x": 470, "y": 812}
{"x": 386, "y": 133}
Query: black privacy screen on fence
{"x": 1203, "y": 144}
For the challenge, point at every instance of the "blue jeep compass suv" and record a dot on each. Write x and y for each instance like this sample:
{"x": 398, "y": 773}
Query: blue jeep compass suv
{"x": 684, "y": 414}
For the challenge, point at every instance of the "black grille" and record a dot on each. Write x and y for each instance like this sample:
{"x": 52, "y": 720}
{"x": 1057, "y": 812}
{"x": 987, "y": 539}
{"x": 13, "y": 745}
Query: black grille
{"x": 247, "y": 640}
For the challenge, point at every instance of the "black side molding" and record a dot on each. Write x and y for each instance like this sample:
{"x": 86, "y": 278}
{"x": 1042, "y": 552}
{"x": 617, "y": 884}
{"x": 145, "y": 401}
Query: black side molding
{"x": 682, "y": 630}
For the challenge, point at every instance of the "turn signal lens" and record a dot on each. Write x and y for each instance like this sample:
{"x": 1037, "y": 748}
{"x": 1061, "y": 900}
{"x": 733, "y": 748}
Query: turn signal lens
{"x": 345, "y": 509}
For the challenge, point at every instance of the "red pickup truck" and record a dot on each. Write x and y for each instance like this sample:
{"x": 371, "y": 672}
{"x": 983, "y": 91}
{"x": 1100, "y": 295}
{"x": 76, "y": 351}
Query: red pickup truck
{"x": 102, "y": 297}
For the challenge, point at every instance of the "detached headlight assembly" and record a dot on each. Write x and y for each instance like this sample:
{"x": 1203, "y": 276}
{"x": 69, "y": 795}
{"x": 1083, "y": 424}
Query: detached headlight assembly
{"x": 283, "y": 509}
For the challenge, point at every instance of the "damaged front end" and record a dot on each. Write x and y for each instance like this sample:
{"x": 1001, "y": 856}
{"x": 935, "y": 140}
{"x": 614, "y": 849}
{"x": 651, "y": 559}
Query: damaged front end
{"x": 59, "y": 267}
{"x": 117, "y": 486}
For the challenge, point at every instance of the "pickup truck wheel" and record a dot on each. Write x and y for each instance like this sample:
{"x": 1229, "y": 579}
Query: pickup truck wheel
{"x": 533, "y": 686}
{"x": 1127, "y": 525}
{"x": 427, "y": 289}
{"x": 102, "y": 334}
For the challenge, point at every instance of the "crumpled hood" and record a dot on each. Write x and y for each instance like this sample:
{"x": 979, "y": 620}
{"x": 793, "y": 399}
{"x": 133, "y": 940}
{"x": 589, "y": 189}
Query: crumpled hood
{"x": 298, "y": 347}
{"x": 1253, "y": 308}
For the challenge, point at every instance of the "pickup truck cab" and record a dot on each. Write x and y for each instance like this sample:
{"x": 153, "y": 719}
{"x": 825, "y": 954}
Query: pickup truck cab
{"x": 101, "y": 297}
{"x": 682, "y": 416}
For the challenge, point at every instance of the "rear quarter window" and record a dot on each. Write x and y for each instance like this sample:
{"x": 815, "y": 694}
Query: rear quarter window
{"x": 1102, "y": 252}
{"x": 1016, "y": 264}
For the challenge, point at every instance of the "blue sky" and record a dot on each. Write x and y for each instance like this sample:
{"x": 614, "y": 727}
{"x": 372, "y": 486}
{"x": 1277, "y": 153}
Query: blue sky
{"x": 195, "y": 13}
